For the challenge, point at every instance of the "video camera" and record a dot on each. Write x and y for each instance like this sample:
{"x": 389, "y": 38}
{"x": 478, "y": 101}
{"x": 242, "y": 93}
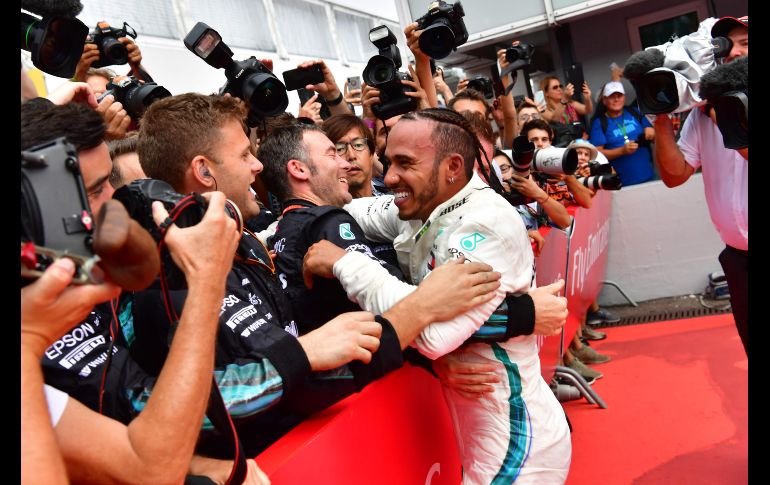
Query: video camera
{"x": 382, "y": 72}
{"x": 55, "y": 42}
{"x": 183, "y": 210}
{"x": 56, "y": 222}
{"x": 726, "y": 88}
{"x": 601, "y": 177}
{"x": 111, "y": 50}
{"x": 249, "y": 79}
{"x": 443, "y": 29}
{"x": 667, "y": 77}
{"x": 136, "y": 96}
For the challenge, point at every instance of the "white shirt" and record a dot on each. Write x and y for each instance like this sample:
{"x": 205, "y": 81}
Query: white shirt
{"x": 725, "y": 177}
{"x": 57, "y": 401}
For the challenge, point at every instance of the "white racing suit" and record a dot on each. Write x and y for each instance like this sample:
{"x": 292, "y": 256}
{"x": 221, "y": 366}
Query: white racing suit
{"x": 519, "y": 432}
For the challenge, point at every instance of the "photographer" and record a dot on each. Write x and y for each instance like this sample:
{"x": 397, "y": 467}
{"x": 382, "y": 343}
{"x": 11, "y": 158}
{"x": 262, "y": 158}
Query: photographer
{"x": 623, "y": 135}
{"x": 725, "y": 176}
{"x": 157, "y": 446}
{"x": 91, "y": 55}
{"x": 327, "y": 89}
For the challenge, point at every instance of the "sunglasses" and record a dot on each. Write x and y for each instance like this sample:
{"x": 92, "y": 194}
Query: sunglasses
{"x": 558, "y": 86}
{"x": 358, "y": 145}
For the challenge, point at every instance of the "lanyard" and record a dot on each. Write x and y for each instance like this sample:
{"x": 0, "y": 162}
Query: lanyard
{"x": 621, "y": 127}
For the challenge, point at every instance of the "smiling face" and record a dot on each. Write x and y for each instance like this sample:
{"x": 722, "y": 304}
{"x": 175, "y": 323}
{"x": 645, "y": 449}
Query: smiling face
{"x": 328, "y": 171}
{"x": 413, "y": 176}
{"x": 614, "y": 103}
{"x": 740, "y": 38}
{"x": 236, "y": 167}
{"x": 359, "y": 175}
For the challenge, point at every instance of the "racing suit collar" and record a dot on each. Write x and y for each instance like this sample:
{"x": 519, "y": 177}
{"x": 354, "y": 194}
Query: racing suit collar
{"x": 475, "y": 183}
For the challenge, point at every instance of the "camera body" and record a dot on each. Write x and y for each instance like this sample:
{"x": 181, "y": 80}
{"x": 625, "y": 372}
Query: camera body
{"x": 55, "y": 214}
{"x": 249, "y": 79}
{"x": 382, "y": 72}
{"x": 111, "y": 50}
{"x": 443, "y": 29}
{"x": 186, "y": 211}
{"x": 483, "y": 85}
{"x": 521, "y": 54}
{"x": 564, "y": 134}
{"x": 134, "y": 95}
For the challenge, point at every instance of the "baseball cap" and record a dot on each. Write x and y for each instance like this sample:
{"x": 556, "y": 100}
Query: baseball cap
{"x": 724, "y": 25}
{"x": 613, "y": 87}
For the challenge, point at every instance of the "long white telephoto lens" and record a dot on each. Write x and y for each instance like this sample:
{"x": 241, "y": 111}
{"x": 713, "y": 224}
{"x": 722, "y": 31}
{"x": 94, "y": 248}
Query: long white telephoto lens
{"x": 555, "y": 160}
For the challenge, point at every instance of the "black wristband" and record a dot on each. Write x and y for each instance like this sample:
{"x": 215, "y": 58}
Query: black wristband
{"x": 335, "y": 101}
{"x": 521, "y": 315}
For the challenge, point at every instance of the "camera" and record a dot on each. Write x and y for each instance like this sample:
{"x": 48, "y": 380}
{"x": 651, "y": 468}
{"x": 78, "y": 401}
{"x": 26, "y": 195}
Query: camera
{"x": 601, "y": 177}
{"x": 482, "y": 85}
{"x": 520, "y": 54}
{"x": 443, "y": 29}
{"x": 555, "y": 160}
{"x": 56, "y": 219}
{"x": 185, "y": 211}
{"x": 564, "y": 134}
{"x": 667, "y": 77}
{"x": 249, "y": 79}
{"x": 55, "y": 43}
{"x": 382, "y": 72}
{"x": 726, "y": 88}
{"x": 111, "y": 50}
{"x": 134, "y": 95}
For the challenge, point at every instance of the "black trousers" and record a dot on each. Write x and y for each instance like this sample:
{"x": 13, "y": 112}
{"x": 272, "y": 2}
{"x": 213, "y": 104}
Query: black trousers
{"x": 735, "y": 264}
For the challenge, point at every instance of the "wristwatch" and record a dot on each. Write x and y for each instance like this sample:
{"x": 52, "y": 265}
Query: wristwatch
{"x": 335, "y": 101}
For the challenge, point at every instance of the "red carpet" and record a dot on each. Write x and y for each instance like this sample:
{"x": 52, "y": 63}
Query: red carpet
{"x": 677, "y": 397}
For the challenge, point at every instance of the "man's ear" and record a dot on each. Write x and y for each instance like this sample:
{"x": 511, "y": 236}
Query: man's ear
{"x": 200, "y": 171}
{"x": 455, "y": 167}
{"x": 298, "y": 170}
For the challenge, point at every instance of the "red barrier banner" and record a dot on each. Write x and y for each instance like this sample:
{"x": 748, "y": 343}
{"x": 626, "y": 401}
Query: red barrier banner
{"x": 396, "y": 431}
{"x": 551, "y": 266}
{"x": 587, "y": 260}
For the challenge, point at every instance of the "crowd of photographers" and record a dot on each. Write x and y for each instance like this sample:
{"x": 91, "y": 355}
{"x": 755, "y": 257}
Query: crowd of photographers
{"x": 299, "y": 257}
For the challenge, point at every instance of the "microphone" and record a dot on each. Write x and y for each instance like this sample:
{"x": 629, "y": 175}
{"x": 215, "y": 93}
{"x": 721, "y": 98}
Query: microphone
{"x": 53, "y": 8}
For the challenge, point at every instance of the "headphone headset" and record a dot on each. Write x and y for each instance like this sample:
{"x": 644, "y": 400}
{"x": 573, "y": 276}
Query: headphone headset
{"x": 205, "y": 172}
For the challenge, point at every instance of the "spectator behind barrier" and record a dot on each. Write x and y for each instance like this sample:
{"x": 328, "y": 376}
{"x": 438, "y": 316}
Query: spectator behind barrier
{"x": 622, "y": 134}
{"x": 125, "y": 161}
{"x": 561, "y": 108}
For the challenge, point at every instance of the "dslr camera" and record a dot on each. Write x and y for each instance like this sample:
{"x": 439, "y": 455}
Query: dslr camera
{"x": 564, "y": 134}
{"x": 526, "y": 158}
{"x": 248, "y": 80}
{"x": 520, "y": 54}
{"x": 483, "y": 85}
{"x": 111, "y": 50}
{"x": 382, "y": 72}
{"x": 444, "y": 29}
{"x": 185, "y": 211}
{"x": 601, "y": 177}
{"x": 134, "y": 95}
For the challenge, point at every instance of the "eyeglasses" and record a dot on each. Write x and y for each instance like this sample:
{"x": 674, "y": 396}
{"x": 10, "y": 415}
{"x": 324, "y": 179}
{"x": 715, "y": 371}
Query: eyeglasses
{"x": 558, "y": 86}
{"x": 505, "y": 167}
{"x": 533, "y": 116}
{"x": 358, "y": 145}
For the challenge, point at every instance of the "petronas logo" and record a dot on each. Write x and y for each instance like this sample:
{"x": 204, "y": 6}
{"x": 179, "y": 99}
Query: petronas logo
{"x": 469, "y": 243}
{"x": 345, "y": 232}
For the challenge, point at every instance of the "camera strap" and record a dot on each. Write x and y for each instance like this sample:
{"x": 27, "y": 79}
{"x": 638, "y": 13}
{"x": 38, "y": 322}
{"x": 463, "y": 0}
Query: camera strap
{"x": 220, "y": 418}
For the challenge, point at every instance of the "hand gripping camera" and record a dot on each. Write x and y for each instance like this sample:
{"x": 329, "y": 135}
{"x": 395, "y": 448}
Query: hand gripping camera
{"x": 727, "y": 89}
{"x": 136, "y": 96}
{"x": 111, "y": 50}
{"x": 601, "y": 177}
{"x": 483, "y": 85}
{"x": 382, "y": 72}
{"x": 56, "y": 222}
{"x": 444, "y": 29}
{"x": 183, "y": 210}
{"x": 249, "y": 79}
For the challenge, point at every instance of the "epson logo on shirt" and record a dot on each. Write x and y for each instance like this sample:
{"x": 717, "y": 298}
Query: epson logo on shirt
{"x": 75, "y": 336}
{"x": 227, "y": 302}
{"x": 240, "y": 316}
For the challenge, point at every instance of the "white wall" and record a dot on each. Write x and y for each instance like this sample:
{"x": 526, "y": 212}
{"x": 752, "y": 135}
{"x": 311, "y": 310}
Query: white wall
{"x": 662, "y": 242}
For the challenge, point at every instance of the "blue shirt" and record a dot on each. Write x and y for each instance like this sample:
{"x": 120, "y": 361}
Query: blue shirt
{"x": 632, "y": 169}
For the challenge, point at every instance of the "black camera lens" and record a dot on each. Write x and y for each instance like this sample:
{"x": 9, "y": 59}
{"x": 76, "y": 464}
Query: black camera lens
{"x": 379, "y": 71}
{"x": 265, "y": 94}
{"x": 438, "y": 40}
{"x": 56, "y": 43}
{"x": 113, "y": 51}
{"x": 139, "y": 98}
{"x": 657, "y": 92}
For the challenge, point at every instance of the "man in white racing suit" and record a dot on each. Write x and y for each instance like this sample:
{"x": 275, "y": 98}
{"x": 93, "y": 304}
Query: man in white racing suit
{"x": 440, "y": 211}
